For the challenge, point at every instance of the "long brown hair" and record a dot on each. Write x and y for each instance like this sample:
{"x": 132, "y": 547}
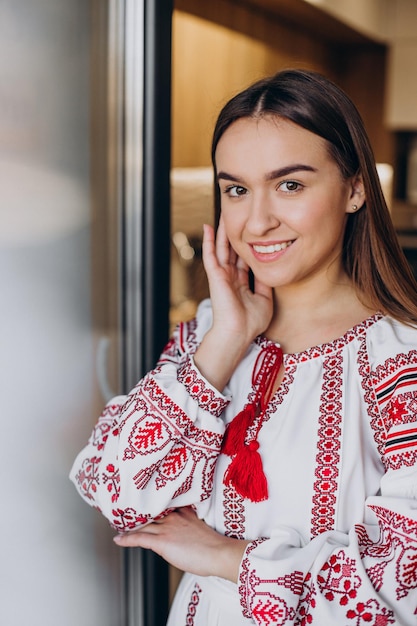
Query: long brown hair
{"x": 372, "y": 256}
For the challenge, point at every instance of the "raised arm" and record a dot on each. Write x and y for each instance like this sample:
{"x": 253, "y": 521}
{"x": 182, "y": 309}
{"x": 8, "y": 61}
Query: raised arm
{"x": 239, "y": 314}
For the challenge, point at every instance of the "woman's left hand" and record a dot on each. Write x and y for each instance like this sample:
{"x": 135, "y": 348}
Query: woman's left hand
{"x": 189, "y": 544}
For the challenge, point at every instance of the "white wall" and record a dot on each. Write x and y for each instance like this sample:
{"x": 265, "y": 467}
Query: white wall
{"x": 57, "y": 563}
{"x": 370, "y": 17}
{"x": 392, "y": 22}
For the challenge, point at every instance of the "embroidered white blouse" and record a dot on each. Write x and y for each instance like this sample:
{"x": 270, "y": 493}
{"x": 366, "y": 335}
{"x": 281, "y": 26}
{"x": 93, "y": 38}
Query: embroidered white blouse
{"x": 336, "y": 540}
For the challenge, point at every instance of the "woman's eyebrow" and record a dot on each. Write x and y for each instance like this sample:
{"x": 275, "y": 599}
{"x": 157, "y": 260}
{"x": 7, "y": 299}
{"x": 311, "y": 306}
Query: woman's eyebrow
{"x": 289, "y": 169}
{"x": 282, "y": 171}
{"x": 226, "y": 176}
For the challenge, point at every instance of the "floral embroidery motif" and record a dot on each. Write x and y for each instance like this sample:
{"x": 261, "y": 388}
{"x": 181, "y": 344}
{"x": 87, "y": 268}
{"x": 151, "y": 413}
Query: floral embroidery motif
{"x": 147, "y": 437}
{"x": 127, "y": 519}
{"x": 397, "y": 411}
{"x": 88, "y": 477}
{"x": 338, "y": 579}
{"x": 111, "y": 477}
{"x": 370, "y": 613}
{"x": 328, "y": 455}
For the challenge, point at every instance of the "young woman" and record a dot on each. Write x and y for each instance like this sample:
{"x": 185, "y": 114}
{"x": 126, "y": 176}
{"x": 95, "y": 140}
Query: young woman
{"x": 272, "y": 453}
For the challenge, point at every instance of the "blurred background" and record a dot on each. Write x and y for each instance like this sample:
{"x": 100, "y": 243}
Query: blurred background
{"x": 106, "y": 114}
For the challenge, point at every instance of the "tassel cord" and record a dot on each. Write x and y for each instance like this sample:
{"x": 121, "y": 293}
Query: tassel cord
{"x": 245, "y": 472}
{"x": 264, "y": 375}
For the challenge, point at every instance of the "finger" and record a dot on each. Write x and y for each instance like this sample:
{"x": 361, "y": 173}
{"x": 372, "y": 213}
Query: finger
{"x": 224, "y": 251}
{"x": 241, "y": 264}
{"x": 133, "y": 540}
{"x": 143, "y": 538}
{"x": 209, "y": 249}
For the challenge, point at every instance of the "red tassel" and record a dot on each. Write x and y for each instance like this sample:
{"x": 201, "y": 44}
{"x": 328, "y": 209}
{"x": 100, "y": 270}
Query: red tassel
{"x": 234, "y": 436}
{"x": 245, "y": 473}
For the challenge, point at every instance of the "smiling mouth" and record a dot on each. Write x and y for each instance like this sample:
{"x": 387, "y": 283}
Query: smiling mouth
{"x": 269, "y": 249}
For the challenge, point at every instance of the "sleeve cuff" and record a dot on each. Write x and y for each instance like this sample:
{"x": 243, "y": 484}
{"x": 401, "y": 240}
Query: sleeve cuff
{"x": 206, "y": 396}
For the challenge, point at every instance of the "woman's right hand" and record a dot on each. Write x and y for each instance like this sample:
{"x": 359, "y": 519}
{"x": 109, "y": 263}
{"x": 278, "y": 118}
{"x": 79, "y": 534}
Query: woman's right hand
{"x": 239, "y": 314}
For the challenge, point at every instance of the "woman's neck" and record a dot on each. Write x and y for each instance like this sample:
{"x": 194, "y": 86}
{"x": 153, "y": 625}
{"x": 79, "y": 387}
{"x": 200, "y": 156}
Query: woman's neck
{"x": 305, "y": 318}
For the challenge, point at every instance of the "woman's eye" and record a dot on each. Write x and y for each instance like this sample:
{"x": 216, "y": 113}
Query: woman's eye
{"x": 290, "y": 185}
{"x": 234, "y": 191}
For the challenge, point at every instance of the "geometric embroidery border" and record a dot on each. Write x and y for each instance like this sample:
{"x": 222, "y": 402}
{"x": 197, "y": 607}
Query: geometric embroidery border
{"x": 328, "y": 444}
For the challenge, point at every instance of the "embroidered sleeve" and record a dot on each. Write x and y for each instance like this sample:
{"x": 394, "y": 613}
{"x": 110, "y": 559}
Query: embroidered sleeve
{"x": 365, "y": 576}
{"x": 396, "y": 393}
{"x": 368, "y": 576}
{"x": 155, "y": 449}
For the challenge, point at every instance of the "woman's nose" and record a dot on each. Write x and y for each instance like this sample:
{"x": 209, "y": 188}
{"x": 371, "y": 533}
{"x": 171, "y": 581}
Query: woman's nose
{"x": 263, "y": 215}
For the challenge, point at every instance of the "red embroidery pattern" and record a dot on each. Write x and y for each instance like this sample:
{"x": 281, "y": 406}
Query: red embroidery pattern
{"x": 161, "y": 423}
{"x": 370, "y": 613}
{"x": 269, "y": 610}
{"x": 178, "y": 420}
{"x": 197, "y": 388}
{"x": 338, "y": 579}
{"x": 192, "y": 605}
{"x": 401, "y": 440}
{"x": 307, "y": 603}
{"x": 258, "y": 603}
{"x": 186, "y": 336}
{"x": 128, "y": 519}
{"x": 399, "y": 543}
{"x": 395, "y": 383}
{"x": 330, "y": 348}
{"x": 88, "y": 477}
{"x": 183, "y": 342}
{"x": 367, "y": 381}
{"x": 104, "y": 425}
{"x": 148, "y": 435}
{"x": 234, "y": 513}
{"x": 170, "y": 353}
{"x": 275, "y": 401}
{"x": 328, "y": 456}
{"x": 233, "y": 504}
{"x": 396, "y": 373}
{"x": 111, "y": 477}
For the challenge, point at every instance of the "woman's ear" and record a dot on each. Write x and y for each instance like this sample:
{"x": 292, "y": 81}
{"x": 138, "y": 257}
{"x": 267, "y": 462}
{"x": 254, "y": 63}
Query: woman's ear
{"x": 357, "y": 196}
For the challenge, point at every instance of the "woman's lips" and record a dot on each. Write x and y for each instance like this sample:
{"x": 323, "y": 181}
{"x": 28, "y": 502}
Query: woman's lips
{"x": 271, "y": 247}
{"x": 270, "y": 251}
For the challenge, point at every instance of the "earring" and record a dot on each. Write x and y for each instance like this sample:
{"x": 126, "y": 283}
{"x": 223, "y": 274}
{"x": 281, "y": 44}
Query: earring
{"x": 354, "y": 207}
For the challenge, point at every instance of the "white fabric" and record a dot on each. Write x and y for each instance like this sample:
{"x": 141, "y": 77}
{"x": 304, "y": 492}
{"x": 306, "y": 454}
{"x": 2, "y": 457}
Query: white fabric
{"x": 336, "y": 540}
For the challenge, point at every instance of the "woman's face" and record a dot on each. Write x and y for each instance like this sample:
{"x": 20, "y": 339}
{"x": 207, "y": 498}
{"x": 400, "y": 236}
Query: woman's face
{"x": 283, "y": 201}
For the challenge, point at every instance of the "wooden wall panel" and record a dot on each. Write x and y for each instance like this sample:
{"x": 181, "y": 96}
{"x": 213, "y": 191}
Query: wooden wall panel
{"x": 211, "y": 63}
{"x": 220, "y": 46}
